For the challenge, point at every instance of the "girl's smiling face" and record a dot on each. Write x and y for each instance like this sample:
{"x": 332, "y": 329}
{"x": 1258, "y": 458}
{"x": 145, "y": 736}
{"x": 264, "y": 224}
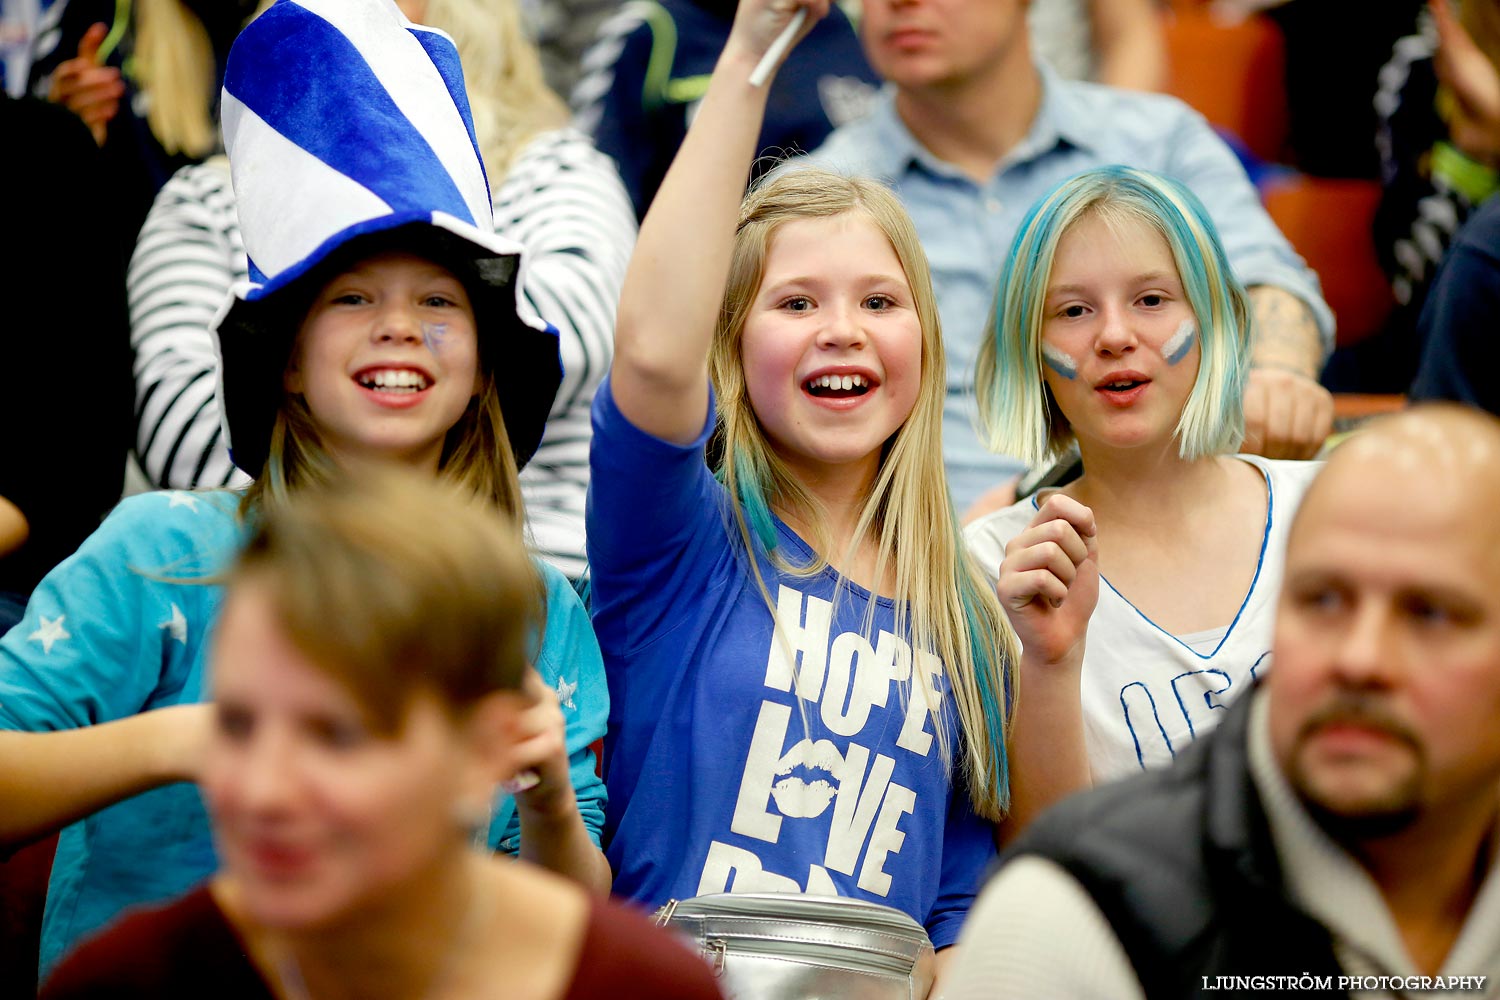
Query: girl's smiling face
{"x": 832, "y": 347}
{"x": 1120, "y": 346}
{"x": 387, "y": 359}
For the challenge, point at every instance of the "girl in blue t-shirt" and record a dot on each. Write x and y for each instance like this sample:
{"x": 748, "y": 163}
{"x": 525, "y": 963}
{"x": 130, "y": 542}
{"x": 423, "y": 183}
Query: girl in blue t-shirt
{"x": 809, "y": 679}
{"x": 397, "y": 338}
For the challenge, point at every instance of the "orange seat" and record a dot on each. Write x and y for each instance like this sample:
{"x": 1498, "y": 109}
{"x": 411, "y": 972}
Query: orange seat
{"x": 1328, "y": 222}
{"x": 1233, "y": 74}
{"x": 1350, "y": 407}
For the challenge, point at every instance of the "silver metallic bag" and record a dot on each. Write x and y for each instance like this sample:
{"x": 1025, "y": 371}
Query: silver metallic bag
{"x": 785, "y": 946}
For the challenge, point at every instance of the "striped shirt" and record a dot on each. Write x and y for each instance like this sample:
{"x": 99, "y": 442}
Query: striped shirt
{"x": 562, "y": 200}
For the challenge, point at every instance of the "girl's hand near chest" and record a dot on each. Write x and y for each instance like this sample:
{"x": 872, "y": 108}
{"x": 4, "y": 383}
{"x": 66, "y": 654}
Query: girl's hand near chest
{"x": 539, "y": 755}
{"x": 1049, "y": 581}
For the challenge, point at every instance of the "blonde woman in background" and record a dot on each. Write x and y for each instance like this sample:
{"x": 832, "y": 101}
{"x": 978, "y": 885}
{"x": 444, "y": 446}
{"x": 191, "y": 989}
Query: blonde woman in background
{"x": 144, "y": 76}
{"x": 553, "y": 193}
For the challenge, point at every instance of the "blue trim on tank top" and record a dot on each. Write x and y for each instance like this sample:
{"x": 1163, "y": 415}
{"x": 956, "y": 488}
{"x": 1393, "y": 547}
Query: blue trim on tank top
{"x": 1259, "y": 563}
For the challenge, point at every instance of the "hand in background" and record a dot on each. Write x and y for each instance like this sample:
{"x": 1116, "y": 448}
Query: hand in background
{"x": 1474, "y": 84}
{"x": 14, "y": 528}
{"x": 1287, "y": 414}
{"x": 90, "y": 91}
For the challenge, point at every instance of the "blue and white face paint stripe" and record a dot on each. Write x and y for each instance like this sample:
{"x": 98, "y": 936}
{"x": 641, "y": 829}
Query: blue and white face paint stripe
{"x": 1060, "y": 361}
{"x": 1180, "y": 343}
{"x": 434, "y": 335}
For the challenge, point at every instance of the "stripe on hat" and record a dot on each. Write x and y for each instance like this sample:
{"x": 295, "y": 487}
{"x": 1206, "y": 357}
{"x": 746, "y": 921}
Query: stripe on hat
{"x": 279, "y": 186}
{"x": 444, "y": 56}
{"x": 427, "y": 96}
{"x": 345, "y": 116}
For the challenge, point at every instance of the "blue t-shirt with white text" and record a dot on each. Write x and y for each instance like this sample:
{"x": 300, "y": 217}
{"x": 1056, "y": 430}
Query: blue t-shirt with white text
{"x": 721, "y": 778}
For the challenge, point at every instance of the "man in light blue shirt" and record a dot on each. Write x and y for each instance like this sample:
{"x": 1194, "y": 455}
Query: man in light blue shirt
{"x": 972, "y": 130}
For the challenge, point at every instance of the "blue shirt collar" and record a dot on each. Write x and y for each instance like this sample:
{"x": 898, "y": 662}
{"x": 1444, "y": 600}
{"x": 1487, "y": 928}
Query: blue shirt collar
{"x": 1059, "y": 121}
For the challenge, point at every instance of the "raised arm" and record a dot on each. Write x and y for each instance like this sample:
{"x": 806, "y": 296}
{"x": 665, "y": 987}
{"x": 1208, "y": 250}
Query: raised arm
{"x": 676, "y": 277}
{"x": 1129, "y": 42}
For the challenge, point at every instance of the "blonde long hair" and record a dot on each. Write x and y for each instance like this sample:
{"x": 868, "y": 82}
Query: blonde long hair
{"x": 942, "y": 597}
{"x": 508, "y": 95}
{"x": 174, "y": 61}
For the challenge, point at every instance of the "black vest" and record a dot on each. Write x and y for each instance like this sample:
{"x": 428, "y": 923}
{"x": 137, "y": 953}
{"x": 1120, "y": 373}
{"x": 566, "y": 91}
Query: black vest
{"x": 1181, "y": 863}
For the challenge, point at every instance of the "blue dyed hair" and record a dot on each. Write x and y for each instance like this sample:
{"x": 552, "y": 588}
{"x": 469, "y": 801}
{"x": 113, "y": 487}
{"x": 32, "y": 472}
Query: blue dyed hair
{"x": 1017, "y": 414}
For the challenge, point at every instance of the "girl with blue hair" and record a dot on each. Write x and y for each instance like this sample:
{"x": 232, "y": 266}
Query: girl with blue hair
{"x": 810, "y": 680}
{"x": 1143, "y": 592}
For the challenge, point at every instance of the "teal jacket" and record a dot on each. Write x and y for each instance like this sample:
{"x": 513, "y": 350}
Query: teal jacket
{"x": 120, "y": 628}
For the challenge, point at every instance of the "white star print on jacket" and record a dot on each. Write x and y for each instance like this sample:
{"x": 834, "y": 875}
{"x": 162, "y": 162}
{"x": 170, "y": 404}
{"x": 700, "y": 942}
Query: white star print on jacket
{"x": 51, "y": 631}
{"x": 123, "y": 626}
{"x": 176, "y": 626}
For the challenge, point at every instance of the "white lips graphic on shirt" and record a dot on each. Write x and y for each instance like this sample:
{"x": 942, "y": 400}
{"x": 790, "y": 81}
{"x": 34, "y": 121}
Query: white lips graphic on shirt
{"x": 797, "y": 797}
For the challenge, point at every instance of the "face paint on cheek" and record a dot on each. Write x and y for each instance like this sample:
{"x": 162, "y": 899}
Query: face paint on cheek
{"x": 1180, "y": 343}
{"x": 433, "y": 335}
{"x": 1059, "y": 361}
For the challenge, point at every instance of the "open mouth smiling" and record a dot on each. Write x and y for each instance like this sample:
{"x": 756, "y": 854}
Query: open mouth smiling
{"x": 394, "y": 380}
{"x": 832, "y": 386}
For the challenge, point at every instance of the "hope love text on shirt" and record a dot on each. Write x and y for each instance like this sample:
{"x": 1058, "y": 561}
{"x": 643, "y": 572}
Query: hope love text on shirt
{"x": 853, "y": 770}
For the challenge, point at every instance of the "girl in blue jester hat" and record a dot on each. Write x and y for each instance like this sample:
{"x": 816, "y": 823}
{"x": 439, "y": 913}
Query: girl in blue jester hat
{"x": 380, "y": 325}
{"x": 809, "y": 680}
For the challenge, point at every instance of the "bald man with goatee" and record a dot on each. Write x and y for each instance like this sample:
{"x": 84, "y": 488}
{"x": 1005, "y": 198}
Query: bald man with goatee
{"x": 1337, "y": 834}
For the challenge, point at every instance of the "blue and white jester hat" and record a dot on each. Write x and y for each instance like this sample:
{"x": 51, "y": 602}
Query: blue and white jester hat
{"x": 349, "y": 133}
